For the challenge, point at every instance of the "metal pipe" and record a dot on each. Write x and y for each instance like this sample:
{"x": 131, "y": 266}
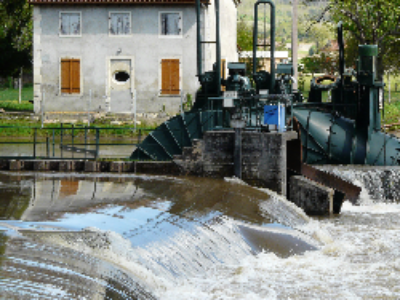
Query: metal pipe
{"x": 255, "y": 34}
{"x": 218, "y": 54}
{"x": 199, "y": 50}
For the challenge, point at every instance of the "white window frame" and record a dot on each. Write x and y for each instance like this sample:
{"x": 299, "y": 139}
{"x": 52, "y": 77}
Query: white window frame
{"x": 80, "y": 22}
{"x": 109, "y": 24}
{"x": 160, "y": 77}
{"x": 60, "y": 93}
{"x": 175, "y": 36}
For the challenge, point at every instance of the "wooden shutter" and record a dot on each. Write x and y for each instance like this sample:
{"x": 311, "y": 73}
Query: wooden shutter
{"x": 70, "y": 76}
{"x": 170, "y": 77}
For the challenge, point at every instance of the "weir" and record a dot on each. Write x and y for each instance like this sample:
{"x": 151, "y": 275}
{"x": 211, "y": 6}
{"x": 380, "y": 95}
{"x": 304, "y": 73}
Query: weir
{"x": 266, "y": 134}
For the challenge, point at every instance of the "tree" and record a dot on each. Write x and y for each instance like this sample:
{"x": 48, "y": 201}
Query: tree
{"x": 15, "y": 36}
{"x": 320, "y": 63}
{"x": 320, "y": 33}
{"x": 244, "y": 35}
{"x": 371, "y": 22}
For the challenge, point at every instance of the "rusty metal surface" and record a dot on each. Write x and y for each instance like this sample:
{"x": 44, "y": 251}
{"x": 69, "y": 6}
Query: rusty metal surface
{"x": 350, "y": 190}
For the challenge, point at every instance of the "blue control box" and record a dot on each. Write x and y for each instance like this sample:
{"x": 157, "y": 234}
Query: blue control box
{"x": 275, "y": 115}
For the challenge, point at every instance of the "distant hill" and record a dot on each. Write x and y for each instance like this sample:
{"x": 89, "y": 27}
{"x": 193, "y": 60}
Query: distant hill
{"x": 306, "y": 13}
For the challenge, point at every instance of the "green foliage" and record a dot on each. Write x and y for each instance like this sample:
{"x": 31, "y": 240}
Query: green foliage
{"x": 321, "y": 63}
{"x": 371, "y": 22}
{"x": 24, "y": 127}
{"x": 319, "y": 33}
{"x": 13, "y": 105}
{"x": 15, "y": 36}
{"x": 188, "y": 104}
{"x": 392, "y": 112}
{"x": 10, "y": 94}
{"x": 244, "y": 35}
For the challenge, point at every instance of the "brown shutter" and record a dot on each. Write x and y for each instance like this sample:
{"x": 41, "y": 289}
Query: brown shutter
{"x": 165, "y": 75}
{"x": 70, "y": 76}
{"x": 76, "y": 76}
{"x": 65, "y": 76}
{"x": 170, "y": 77}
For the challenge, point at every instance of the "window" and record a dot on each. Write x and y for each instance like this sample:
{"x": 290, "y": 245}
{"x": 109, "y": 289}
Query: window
{"x": 120, "y": 23}
{"x": 70, "y": 24}
{"x": 70, "y": 76}
{"x": 170, "y": 23}
{"x": 170, "y": 77}
{"x": 121, "y": 77}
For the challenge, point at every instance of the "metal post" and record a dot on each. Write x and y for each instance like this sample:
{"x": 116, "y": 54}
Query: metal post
{"x": 61, "y": 140}
{"x": 42, "y": 107}
{"x": 97, "y": 143}
{"x": 390, "y": 95}
{"x": 198, "y": 44}
{"x": 140, "y": 136}
{"x": 255, "y": 40}
{"x": 47, "y": 147}
{"x": 20, "y": 86}
{"x": 89, "y": 105}
{"x": 72, "y": 136}
{"x": 34, "y": 143}
{"x": 294, "y": 42}
{"x": 85, "y": 141}
{"x": 218, "y": 41}
{"x": 135, "y": 108}
{"x": 54, "y": 144}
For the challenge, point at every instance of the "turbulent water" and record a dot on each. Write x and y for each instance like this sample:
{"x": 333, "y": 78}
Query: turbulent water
{"x": 76, "y": 236}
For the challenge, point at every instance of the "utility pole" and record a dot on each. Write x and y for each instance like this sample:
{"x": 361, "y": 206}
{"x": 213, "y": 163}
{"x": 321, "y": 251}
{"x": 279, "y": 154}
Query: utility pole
{"x": 294, "y": 41}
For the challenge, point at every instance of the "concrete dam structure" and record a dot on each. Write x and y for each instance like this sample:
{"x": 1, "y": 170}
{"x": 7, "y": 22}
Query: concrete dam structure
{"x": 268, "y": 136}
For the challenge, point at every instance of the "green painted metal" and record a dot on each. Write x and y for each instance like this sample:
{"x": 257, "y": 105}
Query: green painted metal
{"x": 344, "y": 131}
{"x": 368, "y": 50}
{"x": 255, "y": 42}
{"x": 177, "y": 128}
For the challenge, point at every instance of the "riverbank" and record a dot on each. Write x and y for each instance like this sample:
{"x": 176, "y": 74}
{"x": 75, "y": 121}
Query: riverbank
{"x": 23, "y": 124}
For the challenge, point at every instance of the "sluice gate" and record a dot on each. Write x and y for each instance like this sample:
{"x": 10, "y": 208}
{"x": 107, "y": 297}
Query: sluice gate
{"x": 344, "y": 130}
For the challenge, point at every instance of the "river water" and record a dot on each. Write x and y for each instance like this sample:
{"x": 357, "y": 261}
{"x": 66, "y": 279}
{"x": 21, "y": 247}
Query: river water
{"x": 102, "y": 236}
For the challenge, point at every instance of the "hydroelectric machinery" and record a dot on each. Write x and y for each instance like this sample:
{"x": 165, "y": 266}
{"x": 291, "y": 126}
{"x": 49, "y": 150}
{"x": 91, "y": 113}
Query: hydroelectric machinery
{"x": 346, "y": 130}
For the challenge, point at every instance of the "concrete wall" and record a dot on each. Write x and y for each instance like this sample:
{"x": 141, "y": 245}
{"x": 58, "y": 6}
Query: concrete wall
{"x": 144, "y": 48}
{"x": 263, "y": 157}
{"x": 313, "y": 198}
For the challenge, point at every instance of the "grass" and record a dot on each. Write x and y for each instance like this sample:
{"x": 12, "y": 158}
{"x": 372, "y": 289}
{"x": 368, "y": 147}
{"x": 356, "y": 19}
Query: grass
{"x": 9, "y": 99}
{"x": 25, "y": 127}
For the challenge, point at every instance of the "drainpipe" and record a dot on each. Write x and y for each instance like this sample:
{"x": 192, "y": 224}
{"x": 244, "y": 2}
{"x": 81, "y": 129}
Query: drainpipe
{"x": 255, "y": 34}
{"x": 218, "y": 41}
{"x": 198, "y": 27}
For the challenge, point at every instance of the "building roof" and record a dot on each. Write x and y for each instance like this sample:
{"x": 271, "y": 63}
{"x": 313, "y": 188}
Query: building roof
{"x": 111, "y": 2}
{"x": 264, "y": 54}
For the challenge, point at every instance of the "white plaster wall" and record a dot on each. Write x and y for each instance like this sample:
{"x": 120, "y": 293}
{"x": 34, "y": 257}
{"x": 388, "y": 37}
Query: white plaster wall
{"x": 95, "y": 47}
{"x": 228, "y": 33}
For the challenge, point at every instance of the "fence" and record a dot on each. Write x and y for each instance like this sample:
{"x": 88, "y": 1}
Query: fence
{"x": 72, "y": 142}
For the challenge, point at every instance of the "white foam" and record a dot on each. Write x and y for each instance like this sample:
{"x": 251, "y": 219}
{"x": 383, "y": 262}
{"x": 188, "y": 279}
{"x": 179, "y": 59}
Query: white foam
{"x": 371, "y": 207}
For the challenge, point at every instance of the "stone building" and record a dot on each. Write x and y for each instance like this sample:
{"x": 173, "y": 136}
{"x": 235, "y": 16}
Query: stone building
{"x": 122, "y": 56}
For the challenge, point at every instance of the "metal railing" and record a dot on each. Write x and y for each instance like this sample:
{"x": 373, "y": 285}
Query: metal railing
{"x": 68, "y": 142}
